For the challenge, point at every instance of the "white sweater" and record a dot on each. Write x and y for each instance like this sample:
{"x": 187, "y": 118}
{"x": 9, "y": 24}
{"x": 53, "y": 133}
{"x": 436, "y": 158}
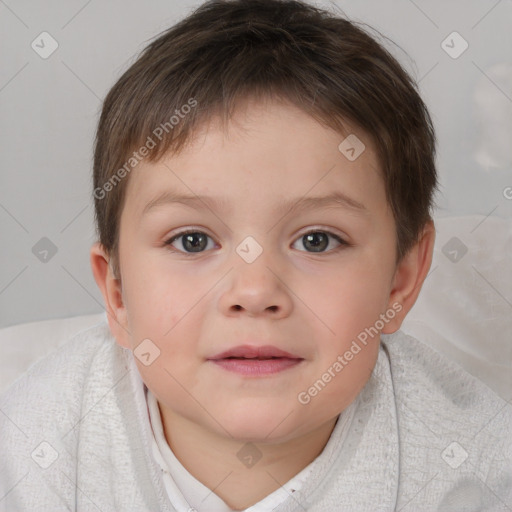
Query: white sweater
{"x": 423, "y": 435}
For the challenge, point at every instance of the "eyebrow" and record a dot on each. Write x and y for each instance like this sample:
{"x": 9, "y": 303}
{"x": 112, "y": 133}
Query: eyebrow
{"x": 333, "y": 199}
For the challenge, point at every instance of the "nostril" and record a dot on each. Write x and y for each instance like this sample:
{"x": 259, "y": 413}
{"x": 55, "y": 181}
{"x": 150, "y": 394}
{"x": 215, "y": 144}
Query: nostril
{"x": 273, "y": 308}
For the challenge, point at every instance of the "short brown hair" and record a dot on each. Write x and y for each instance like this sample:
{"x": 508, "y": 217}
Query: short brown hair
{"x": 226, "y": 50}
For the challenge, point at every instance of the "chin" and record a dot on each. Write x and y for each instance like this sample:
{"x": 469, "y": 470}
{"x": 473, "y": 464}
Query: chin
{"x": 259, "y": 425}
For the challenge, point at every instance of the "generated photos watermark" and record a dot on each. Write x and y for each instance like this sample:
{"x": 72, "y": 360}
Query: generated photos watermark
{"x": 304, "y": 397}
{"x": 144, "y": 150}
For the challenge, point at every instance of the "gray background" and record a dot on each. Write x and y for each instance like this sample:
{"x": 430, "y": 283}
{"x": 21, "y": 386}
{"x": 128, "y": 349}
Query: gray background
{"x": 49, "y": 109}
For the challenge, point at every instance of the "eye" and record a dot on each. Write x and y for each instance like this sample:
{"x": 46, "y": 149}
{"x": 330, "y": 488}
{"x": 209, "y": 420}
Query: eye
{"x": 318, "y": 241}
{"x": 191, "y": 241}
{"x": 194, "y": 241}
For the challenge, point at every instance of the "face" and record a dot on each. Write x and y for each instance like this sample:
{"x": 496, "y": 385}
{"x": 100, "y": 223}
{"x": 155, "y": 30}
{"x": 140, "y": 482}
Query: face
{"x": 262, "y": 263}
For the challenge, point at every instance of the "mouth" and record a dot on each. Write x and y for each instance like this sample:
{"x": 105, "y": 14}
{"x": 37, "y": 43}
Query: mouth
{"x": 256, "y": 361}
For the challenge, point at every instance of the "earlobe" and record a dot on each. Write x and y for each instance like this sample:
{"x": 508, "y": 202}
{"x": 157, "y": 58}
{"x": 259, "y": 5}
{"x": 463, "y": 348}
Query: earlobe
{"x": 110, "y": 288}
{"x": 410, "y": 276}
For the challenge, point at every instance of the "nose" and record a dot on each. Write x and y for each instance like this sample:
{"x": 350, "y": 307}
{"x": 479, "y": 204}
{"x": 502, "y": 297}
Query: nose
{"x": 256, "y": 289}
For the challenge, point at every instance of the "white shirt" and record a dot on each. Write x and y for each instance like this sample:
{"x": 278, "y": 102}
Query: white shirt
{"x": 187, "y": 493}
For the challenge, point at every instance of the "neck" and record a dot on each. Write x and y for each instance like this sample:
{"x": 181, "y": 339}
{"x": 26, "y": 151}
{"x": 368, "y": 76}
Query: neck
{"x": 231, "y": 468}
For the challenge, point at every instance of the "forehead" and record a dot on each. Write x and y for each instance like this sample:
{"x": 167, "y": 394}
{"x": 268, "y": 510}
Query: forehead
{"x": 269, "y": 151}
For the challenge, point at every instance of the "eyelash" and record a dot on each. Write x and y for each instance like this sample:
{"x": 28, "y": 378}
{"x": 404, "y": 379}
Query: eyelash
{"x": 340, "y": 240}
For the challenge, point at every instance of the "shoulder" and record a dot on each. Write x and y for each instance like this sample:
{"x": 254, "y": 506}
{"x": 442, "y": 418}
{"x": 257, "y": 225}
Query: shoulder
{"x": 448, "y": 420}
{"x": 53, "y": 387}
{"x": 41, "y": 415}
{"x": 419, "y": 368}
{"x": 67, "y": 364}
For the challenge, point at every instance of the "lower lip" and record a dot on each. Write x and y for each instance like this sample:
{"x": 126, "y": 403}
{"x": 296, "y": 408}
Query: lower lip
{"x": 257, "y": 367}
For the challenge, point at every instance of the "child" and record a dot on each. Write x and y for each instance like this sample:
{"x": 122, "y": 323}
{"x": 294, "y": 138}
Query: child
{"x": 263, "y": 183}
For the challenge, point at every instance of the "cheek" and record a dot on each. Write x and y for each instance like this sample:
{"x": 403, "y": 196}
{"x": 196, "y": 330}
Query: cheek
{"x": 350, "y": 299}
{"x": 349, "y": 373}
{"x": 346, "y": 353}
{"x": 158, "y": 298}
{"x": 161, "y": 306}
{"x": 172, "y": 376}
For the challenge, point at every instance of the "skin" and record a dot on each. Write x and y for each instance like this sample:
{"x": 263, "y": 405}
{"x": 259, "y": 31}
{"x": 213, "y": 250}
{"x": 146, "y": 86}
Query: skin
{"x": 312, "y": 304}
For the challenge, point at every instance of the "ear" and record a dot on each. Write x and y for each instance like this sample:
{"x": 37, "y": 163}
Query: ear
{"x": 112, "y": 295}
{"x": 409, "y": 277}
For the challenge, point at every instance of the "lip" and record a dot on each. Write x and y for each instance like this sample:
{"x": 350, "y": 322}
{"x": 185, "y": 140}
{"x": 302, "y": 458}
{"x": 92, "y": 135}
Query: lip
{"x": 257, "y": 367}
{"x": 254, "y": 352}
{"x": 256, "y": 361}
